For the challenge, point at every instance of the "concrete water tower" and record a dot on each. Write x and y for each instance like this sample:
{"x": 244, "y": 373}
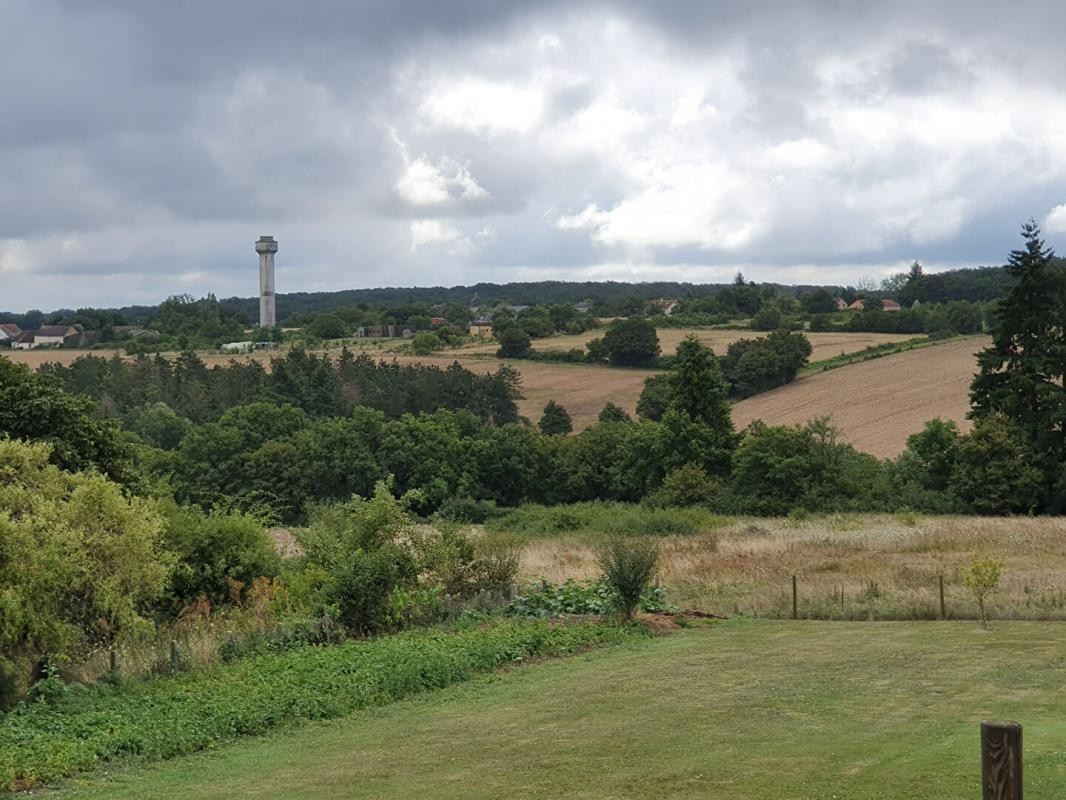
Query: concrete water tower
{"x": 266, "y": 247}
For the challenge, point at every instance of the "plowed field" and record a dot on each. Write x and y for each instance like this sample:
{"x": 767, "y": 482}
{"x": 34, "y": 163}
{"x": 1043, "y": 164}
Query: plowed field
{"x": 877, "y": 404}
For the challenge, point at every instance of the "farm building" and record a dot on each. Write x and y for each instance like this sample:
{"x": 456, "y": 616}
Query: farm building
{"x": 49, "y": 335}
{"x": 481, "y": 330}
{"x": 842, "y": 304}
{"x": 886, "y": 305}
{"x": 667, "y": 307}
{"x": 9, "y": 331}
{"x": 237, "y": 347}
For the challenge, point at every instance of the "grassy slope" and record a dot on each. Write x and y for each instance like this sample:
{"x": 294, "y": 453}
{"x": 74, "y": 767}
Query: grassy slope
{"x": 746, "y": 710}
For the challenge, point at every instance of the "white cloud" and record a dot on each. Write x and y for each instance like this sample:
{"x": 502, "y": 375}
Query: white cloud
{"x": 433, "y": 233}
{"x": 482, "y": 106}
{"x": 1055, "y": 221}
{"x": 427, "y": 184}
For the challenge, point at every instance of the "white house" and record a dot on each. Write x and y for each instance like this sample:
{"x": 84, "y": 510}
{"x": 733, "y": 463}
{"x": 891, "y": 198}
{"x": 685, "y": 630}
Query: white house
{"x": 54, "y": 335}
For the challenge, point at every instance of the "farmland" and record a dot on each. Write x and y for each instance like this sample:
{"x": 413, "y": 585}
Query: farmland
{"x": 853, "y": 396}
{"x": 879, "y": 403}
{"x": 755, "y": 710}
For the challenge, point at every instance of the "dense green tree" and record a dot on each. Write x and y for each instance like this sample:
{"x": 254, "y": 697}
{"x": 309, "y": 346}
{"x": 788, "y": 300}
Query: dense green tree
{"x": 612, "y": 413}
{"x": 698, "y": 388}
{"x": 995, "y": 473}
{"x": 80, "y": 562}
{"x": 632, "y": 343}
{"x": 1021, "y": 374}
{"x": 35, "y": 407}
{"x": 555, "y": 420}
{"x": 768, "y": 318}
{"x": 655, "y": 397}
{"x": 327, "y": 326}
{"x": 820, "y": 301}
{"x": 514, "y": 342}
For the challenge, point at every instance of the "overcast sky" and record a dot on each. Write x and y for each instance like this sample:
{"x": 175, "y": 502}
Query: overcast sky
{"x": 144, "y": 146}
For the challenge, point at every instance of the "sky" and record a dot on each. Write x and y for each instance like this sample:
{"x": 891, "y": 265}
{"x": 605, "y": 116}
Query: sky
{"x": 145, "y": 146}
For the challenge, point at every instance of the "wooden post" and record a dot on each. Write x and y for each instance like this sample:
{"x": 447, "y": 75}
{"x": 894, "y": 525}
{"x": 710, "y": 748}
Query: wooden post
{"x": 173, "y": 656}
{"x": 113, "y": 657}
{"x": 1001, "y": 761}
{"x": 843, "y": 613}
{"x": 795, "y": 605}
{"x": 943, "y": 608}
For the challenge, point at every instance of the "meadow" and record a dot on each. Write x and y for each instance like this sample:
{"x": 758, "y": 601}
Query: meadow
{"x": 752, "y": 710}
{"x": 855, "y": 567}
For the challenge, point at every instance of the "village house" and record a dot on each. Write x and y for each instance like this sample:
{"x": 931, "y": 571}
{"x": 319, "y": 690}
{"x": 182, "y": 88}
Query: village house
{"x": 886, "y": 305}
{"x": 842, "y": 304}
{"x": 484, "y": 331}
{"x": 667, "y": 307}
{"x": 47, "y": 336}
{"x": 9, "y": 331}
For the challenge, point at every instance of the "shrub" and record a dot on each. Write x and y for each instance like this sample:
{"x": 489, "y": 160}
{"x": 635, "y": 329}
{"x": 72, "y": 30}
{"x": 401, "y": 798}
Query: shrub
{"x": 464, "y": 508}
{"x": 981, "y": 576}
{"x": 628, "y": 565}
{"x": 364, "y": 583}
{"x": 632, "y": 342}
{"x": 453, "y": 561}
{"x": 79, "y": 562}
{"x": 219, "y": 554}
{"x": 688, "y": 485}
{"x": 425, "y": 343}
{"x": 555, "y": 420}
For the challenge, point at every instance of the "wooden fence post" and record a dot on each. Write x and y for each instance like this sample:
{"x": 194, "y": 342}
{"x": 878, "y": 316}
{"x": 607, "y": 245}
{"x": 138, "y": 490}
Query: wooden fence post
{"x": 795, "y": 605}
{"x": 113, "y": 658}
{"x": 1001, "y": 761}
{"x": 843, "y": 613}
{"x": 173, "y": 657}
{"x": 943, "y": 608}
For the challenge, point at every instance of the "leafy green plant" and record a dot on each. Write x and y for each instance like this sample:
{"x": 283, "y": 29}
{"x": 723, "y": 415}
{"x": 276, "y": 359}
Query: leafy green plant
{"x": 628, "y": 565}
{"x": 549, "y": 600}
{"x": 161, "y": 719}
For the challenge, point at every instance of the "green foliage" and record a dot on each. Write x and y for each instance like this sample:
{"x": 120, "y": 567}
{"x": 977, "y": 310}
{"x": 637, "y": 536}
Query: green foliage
{"x": 698, "y": 389}
{"x": 160, "y": 426}
{"x": 35, "y": 407}
{"x": 461, "y": 566}
{"x": 426, "y": 342}
{"x": 548, "y": 600}
{"x": 201, "y": 322}
{"x": 514, "y": 342}
{"x": 923, "y": 473}
{"x": 1021, "y": 374}
{"x": 768, "y": 318}
{"x": 629, "y": 564}
{"x": 219, "y": 554}
{"x": 756, "y": 365}
{"x": 631, "y": 343}
{"x": 173, "y": 716}
{"x": 995, "y": 473}
{"x": 80, "y": 562}
{"x": 612, "y": 413}
{"x": 554, "y": 420}
{"x": 599, "y": 517}
{"x": 981, "y": 576}
{"x": 687, "y": 485}
{"x": 327, "y": 326}
{"x": 655, "y": 397}
{"x": 777, "y": 469}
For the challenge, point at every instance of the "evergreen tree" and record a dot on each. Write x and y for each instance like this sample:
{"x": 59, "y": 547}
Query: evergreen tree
{"x": 554, "y": 420}
{"x": 698, "y": 387}
{"x": 1021, "y": 375}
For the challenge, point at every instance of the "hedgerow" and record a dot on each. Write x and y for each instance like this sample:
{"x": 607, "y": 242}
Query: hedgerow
{"x": 161, "y": 719}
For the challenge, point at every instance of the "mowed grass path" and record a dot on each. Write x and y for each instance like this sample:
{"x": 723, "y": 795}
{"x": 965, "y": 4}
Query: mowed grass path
{"x": 741, "y": 709}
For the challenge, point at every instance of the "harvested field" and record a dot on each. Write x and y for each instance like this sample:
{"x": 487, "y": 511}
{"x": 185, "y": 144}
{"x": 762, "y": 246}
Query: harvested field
{"x": 879, "y": 403}
{"x": 887, "y": 565}
{"x": 826, "y": 345}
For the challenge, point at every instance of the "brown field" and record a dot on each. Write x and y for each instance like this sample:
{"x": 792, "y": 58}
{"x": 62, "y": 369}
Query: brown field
{"x": 876, "y": 404}
{"x": 887, "y": 565}
{"x": 825, "y": 345}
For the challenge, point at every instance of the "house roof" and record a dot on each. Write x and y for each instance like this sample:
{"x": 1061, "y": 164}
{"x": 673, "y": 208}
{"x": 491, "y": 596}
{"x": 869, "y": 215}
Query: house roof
{"x": 886, "y": 303}
{"x": 11, "y": 328}
{"x": 54, "y": 330}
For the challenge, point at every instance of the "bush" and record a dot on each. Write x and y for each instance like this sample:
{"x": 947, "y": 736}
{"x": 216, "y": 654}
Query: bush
{"x": 628, "y": 565}
{"x": 198, "y": 710}
{"x": 425, "y": 343}
{"x": 363, "y": 586}
{"x": 219, "y": 554}
{"x": 555, "y": 420}
{"x": 632, "y": 342}
{"x": 80, "y": 563}
{"x": 514, "y": 343}
{"x": 464, "y": 508}
{"x": 461, "y": 566}
{"x": 688, "y": 485}
{"x": 600, "y": 517}
{"x": 981, "y": 577}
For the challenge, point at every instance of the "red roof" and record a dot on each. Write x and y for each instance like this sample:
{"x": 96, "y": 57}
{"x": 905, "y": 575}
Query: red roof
{"x": 11, "y": 328}
{"x": 890, "y": 305}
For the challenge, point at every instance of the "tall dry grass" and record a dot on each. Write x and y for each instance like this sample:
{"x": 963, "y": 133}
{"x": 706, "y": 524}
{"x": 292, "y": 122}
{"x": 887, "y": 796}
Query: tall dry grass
{"x": 884, "y": 567}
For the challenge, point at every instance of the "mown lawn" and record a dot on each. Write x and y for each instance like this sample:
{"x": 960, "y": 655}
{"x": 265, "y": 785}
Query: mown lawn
{"x": 740, "y": 710}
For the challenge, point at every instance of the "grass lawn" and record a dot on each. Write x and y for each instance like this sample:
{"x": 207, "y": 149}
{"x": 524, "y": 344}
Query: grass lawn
{"x": 740, "y": 709}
